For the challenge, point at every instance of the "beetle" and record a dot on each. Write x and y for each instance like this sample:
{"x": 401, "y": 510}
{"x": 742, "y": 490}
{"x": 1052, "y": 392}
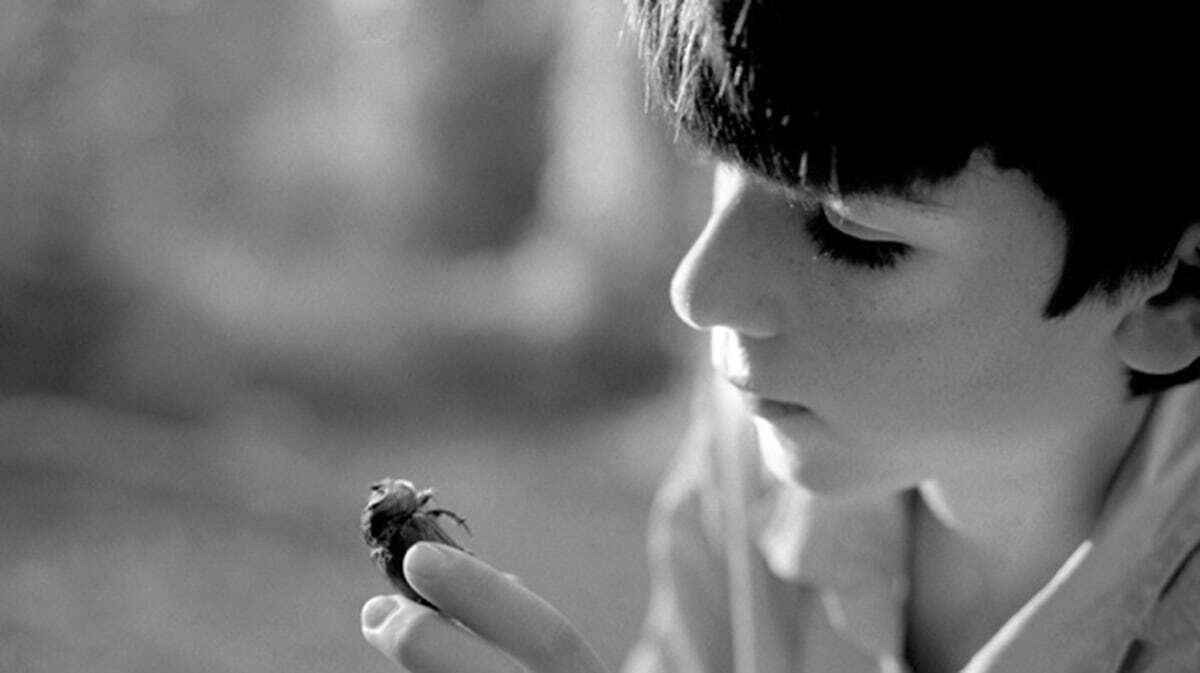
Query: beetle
{"x": 396, "y": 517}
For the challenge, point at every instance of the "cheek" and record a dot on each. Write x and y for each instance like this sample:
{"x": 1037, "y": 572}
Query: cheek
{"x": 895, "y": 325}
{"x": 915, "y": 357}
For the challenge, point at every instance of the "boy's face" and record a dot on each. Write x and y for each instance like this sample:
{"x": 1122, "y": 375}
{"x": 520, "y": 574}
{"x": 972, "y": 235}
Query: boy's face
{"x": 880, "y": 365}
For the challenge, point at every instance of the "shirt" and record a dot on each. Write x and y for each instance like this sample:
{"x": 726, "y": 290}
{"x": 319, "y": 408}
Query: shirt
{"x": 754, "y": 574}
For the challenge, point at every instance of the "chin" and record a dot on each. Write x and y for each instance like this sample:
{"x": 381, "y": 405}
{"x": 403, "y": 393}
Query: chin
{"x": 825, "y": 469}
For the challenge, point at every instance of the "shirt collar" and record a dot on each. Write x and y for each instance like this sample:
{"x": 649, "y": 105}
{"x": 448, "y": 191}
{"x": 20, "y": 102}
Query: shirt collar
{"x": 854, "y": 553}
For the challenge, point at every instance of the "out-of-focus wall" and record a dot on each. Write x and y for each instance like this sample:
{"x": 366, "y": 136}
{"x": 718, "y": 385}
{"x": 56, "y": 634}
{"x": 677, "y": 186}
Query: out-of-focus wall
{"x": 257, "y": 255}
{"x": 332, "y": 197}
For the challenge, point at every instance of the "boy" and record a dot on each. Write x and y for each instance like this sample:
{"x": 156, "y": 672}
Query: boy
{"x": 954, "y": 329}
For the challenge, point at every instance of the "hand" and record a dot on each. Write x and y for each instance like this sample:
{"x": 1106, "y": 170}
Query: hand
{"x": 489, "y": 623}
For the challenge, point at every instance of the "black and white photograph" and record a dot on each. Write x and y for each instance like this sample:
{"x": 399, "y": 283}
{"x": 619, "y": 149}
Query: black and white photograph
{"x": 596, "y": 336}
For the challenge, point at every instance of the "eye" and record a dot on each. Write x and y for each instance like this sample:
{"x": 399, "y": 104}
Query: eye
{"x": 842, "y": 247}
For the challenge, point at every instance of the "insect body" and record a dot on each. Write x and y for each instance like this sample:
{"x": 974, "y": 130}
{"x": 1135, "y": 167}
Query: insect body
{"x": 396, "y": 517}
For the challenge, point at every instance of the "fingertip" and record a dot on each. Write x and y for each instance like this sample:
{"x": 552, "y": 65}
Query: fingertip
{"x": 376, "y": 612}
{"x": 426, "y": 559}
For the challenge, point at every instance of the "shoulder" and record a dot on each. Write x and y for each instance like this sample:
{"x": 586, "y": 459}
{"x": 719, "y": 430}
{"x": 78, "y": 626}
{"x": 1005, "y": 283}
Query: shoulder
{"x": 1169, "y": 635}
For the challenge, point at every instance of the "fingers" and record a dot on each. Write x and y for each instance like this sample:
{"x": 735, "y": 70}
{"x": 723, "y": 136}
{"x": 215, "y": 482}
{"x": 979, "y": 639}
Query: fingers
{"x": 505, "y": 623}
{"x": 422, "y": 641}
{"x": 501, "y": 611}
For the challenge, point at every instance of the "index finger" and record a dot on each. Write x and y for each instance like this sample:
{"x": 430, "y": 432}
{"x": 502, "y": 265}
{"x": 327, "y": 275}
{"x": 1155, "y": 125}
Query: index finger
{"x": 499, "y": 610}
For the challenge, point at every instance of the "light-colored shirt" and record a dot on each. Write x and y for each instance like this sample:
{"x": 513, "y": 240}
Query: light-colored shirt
{"x": 754, "y": 574}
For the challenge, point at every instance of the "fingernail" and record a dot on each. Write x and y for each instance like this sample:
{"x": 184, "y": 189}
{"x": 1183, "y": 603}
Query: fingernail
{"x": 377, "y": 610}
{"x": 426, "y": 559}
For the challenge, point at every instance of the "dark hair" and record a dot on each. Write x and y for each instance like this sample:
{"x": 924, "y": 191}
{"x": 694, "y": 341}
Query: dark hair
{"x": 1114, "y": 152}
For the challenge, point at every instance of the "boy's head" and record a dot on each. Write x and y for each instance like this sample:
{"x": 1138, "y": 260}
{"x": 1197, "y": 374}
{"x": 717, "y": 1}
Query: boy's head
{"x": 1113, "y": 147}
{"x": 916, "y": 269}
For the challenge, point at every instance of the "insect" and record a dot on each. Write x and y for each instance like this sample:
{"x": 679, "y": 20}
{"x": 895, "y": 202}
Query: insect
{"x": 396, "y": 517}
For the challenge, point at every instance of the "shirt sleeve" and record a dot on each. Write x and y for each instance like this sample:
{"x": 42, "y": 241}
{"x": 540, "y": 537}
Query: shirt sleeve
{"x": 687, "y": 623}
{"x": 1170, "y": 641}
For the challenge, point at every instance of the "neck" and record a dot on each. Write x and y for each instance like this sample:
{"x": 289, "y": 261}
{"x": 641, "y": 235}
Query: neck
{"x": 984, "y": 543}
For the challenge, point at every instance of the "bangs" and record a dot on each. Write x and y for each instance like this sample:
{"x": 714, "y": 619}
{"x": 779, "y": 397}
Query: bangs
{"x": 739, "y": 83}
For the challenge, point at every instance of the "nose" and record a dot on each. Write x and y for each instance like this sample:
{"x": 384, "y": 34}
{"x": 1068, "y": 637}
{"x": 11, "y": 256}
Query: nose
{"x": 724, "y": 280}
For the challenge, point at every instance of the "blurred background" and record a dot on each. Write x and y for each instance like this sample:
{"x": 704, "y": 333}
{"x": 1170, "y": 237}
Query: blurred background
{"x": 257, "y": 255}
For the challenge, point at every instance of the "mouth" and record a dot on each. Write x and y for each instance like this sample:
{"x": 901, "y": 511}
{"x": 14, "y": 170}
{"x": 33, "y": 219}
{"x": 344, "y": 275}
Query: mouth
{"x": 772, "y": 409}
{"x": 767, "y": 407}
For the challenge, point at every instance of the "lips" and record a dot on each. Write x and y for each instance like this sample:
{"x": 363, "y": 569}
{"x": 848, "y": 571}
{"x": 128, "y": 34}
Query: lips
{"x": 733, "y": 360}
{"x": 767, "y": 407}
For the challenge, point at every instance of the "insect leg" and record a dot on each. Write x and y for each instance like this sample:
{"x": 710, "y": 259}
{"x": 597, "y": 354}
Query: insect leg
{"x": 445, "y": 512}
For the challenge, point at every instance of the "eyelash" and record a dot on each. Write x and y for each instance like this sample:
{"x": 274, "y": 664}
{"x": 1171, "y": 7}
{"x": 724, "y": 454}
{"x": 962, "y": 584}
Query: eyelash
{"x": 842, "y": 247}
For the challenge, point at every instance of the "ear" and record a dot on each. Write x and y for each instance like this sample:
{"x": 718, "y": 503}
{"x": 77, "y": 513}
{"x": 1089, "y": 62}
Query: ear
{"x": 1161, "y": 332}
